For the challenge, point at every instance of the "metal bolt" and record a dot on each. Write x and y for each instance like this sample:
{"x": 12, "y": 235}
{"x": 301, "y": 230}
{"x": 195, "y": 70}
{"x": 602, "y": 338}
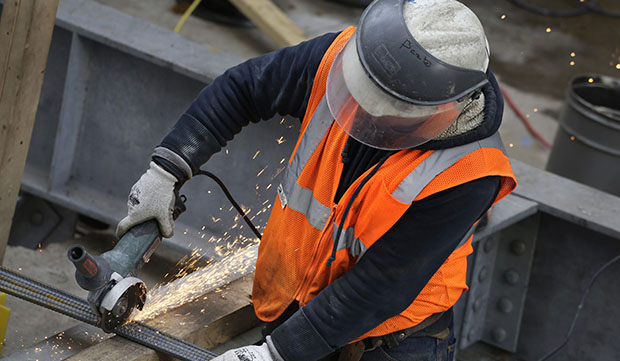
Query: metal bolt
{"x": 488, "y": 245}
{"x": 518, "y": 247}
{"x": 477, "y": 304}
{"x": 401, "y": 336}
{"x": 511, "y": 277}
{"x": 505, "y": 305}
{"x": 499, "y": 334}
{"x": 36, "y": 218}
{"x": 482, "y": 275}
{"x": 121, "y": 307}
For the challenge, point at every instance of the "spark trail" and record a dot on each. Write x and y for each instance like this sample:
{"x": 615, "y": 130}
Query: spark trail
{"x": 233, "y": 265}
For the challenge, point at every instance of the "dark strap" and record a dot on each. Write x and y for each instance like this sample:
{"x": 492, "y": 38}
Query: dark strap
{"x": 352, "y": 351}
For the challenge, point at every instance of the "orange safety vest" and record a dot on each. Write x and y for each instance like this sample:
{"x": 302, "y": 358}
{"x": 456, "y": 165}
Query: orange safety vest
{"x": 298, "y": 238}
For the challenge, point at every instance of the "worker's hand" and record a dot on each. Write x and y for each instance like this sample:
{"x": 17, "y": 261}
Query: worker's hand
{"x": 264, "y": 352}
{"x": 152, "y": 197}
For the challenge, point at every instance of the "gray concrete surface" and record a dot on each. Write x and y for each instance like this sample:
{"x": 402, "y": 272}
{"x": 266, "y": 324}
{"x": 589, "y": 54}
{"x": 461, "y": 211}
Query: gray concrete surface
{"x": 532, "y": 64}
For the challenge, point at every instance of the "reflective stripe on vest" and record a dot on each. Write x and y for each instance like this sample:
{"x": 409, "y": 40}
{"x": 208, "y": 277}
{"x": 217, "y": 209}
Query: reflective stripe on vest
{"x": 416, "y": 181}
{"x": 292, "y": 194}
{"x": 437, "y": 162}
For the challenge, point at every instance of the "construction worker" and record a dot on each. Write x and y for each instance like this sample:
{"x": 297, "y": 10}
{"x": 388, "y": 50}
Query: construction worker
{"x": 398, "y": 157}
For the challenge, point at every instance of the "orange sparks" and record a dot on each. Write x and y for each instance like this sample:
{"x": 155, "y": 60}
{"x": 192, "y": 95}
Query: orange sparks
{"x": 234, "y": 264}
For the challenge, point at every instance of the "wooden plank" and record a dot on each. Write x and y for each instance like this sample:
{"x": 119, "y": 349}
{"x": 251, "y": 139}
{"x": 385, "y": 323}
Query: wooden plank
{"x": 272, "y": 21}
{"x": 208, "y": 321}
{"x": 25, "y": 35}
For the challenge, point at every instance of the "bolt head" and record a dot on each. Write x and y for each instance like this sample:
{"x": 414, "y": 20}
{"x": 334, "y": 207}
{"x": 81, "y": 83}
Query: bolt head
{"x": 518, "y": 247}
{"x": 120, "y": 307}
{"x": 477, "y": 304}
{"x": 488, "y": 245}
{"x": 511, "y": 277}
{"x": 483, "y": 274}
{"x": 505, "y": 305}
{"x": 499, "y": 334}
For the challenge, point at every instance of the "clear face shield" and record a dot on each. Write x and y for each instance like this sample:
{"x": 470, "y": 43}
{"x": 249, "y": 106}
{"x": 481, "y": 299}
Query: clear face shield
{"x": 375, "y": 118}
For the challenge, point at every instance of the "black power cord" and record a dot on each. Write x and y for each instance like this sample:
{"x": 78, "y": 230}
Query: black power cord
{"x": 232, "y": 201}
{"x": 579, "y": 307}
{"x": 584, "y": 7}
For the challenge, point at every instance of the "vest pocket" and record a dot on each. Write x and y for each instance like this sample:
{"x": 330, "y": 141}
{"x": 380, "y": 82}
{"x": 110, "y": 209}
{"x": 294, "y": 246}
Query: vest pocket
{"x": 378, "y": 212}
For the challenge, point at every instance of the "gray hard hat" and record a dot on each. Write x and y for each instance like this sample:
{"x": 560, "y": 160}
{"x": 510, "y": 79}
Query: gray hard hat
{"x": 408, "y": 71}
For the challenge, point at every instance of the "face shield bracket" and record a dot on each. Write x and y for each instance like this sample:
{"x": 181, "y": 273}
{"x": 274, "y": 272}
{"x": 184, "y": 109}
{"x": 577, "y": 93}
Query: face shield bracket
{"x": 399, "y": 65}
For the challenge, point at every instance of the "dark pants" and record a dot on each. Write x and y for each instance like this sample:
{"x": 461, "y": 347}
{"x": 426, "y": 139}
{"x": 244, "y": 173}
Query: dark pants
{"x": 416, "y": 349}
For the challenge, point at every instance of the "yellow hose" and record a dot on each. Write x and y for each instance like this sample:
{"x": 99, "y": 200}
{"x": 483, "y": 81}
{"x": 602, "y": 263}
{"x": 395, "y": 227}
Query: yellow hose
{"x": 188, "y": 12}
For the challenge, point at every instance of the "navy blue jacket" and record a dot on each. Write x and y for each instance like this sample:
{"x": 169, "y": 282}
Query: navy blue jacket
{"x": 397, "y": 267}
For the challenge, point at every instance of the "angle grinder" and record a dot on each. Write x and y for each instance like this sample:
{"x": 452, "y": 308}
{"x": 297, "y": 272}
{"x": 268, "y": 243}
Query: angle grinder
{"x": 111, "y": 279}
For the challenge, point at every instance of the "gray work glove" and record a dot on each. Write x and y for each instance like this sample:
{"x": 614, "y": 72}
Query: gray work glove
{"x": 152, "y": 197}
{"x": 264, "y": 352}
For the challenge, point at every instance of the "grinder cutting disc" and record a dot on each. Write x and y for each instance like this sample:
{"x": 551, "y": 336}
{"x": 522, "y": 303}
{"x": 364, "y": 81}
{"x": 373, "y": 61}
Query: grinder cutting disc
{"x": 118, "y": 304}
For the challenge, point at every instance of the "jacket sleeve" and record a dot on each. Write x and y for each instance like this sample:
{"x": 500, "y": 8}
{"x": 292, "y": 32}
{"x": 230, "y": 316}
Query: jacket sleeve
{"x": 278, "y": 82}
{"x": 390, "y": 275}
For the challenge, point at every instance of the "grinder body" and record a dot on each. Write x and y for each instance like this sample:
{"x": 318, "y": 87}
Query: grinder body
{"x": 114, "y": 289}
